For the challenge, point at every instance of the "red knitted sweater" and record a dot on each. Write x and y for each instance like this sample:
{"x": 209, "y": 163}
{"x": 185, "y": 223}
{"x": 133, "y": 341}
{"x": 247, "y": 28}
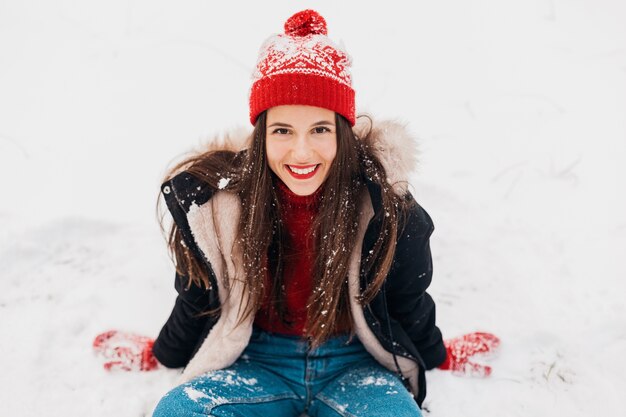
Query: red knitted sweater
{"x": 297, "y": 214}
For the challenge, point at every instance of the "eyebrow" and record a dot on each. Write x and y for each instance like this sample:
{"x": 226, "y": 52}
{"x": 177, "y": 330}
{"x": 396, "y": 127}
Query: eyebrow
{"x": 321, "y": 122}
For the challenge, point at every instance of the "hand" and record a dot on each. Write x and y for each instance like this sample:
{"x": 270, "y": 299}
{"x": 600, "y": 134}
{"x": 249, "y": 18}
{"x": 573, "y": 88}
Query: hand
{"x": 462, "y": 348}
{"x": 126, "y": 351}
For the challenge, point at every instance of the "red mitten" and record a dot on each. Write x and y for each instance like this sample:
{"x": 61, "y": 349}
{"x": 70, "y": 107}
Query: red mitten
{"x": 126, "y": 351}
{"x": 461, "y": 349}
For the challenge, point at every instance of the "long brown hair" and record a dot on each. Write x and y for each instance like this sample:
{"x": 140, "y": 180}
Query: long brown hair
{"x": 335, "y": 226}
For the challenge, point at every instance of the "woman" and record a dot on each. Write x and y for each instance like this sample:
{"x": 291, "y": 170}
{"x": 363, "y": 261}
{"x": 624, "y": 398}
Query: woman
{"x": 302, "y": 259}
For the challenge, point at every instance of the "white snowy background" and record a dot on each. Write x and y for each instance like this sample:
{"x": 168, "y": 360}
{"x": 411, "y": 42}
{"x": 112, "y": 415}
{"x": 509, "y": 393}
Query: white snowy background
{"x": 519, "y": 108}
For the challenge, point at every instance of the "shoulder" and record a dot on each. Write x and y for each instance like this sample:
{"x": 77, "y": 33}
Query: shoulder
{"x": 191, "y": 193}
{"x": 414, "y": 231}
{"x": 210, "y": 177}
{"x": 412, "y": 265}
{"x": 417, "y": 219}
{"x": 186, "y": 190}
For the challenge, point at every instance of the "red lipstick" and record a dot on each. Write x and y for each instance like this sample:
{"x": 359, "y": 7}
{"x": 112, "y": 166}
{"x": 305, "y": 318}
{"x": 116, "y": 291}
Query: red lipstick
{"x": 300, "y": 167}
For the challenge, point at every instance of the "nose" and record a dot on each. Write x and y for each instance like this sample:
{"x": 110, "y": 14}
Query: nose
{"x": 301, "y": 150}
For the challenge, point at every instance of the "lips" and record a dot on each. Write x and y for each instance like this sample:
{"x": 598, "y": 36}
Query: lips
{"x": 302, "y": 172}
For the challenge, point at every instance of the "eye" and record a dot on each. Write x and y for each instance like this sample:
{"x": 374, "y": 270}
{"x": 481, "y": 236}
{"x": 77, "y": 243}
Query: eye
{"x": 321, "y": 129}
{"x": 280, "y": 131}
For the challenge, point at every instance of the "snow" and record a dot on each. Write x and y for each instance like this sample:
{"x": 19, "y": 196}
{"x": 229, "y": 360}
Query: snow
{"x": 194, "y": 394}
{"x": 230, "y": 377}
{"x": 519, "y": 108}
{"x": 223, "y": 183}
{"x": 370, "y": 380}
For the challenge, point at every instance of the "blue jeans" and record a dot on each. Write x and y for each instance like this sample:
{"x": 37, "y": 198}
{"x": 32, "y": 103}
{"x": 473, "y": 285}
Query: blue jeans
{"x": 280, "y": 376}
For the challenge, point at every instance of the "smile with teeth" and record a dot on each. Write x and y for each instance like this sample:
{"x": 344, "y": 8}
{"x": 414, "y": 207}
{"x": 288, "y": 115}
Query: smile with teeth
{"x": 302, "y": 171}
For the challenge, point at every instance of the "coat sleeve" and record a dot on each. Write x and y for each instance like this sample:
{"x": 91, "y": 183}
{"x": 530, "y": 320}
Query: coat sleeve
{"x": 410, "y": 276}
{"x": 179, "y": 336}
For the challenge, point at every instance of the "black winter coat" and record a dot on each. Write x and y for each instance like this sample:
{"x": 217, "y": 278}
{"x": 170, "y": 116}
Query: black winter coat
{"x": 397, "y": 326}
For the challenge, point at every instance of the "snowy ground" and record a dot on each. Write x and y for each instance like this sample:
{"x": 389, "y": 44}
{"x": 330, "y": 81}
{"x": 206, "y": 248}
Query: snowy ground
{"x": 520, "y": 111}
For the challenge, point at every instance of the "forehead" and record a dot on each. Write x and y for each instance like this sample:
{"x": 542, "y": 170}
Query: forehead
{"x": 299, "y": 115}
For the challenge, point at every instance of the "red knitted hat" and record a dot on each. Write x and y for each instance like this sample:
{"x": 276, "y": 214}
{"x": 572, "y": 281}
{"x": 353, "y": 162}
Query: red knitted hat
{"x": 303, "y": 66}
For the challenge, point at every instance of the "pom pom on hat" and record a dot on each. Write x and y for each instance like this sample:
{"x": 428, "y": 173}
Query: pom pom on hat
{"x": 306, "y": 22}
{"x": 303, "y": 66}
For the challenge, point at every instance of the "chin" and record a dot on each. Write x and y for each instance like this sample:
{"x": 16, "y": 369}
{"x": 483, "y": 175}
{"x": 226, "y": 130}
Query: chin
{"x": 303, "y": 190}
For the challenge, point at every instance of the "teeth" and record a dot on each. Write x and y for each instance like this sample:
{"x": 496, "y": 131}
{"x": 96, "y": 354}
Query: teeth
{"x": 302, "y": 171}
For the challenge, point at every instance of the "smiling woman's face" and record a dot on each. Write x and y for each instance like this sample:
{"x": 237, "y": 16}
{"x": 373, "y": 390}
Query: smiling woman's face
{"x": 301, "y": 144}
